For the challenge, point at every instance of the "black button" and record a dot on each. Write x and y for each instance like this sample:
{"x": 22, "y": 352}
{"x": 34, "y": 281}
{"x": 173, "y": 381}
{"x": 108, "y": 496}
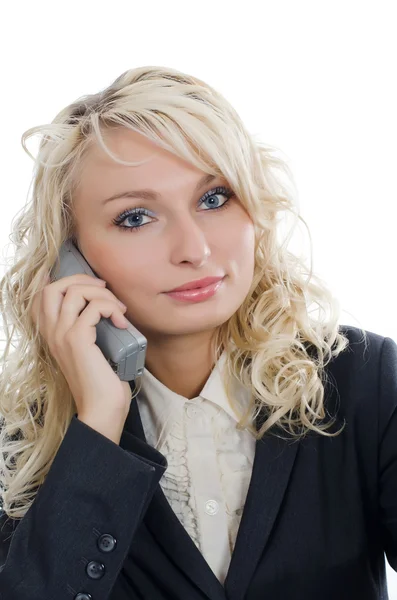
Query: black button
{"x": 95, "y": 569}
{"x": 83, "y": 596}
{"x": 106, "y": 543}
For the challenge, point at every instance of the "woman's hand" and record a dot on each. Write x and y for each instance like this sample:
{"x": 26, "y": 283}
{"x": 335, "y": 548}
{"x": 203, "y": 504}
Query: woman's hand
{"x": 70, "y": 309}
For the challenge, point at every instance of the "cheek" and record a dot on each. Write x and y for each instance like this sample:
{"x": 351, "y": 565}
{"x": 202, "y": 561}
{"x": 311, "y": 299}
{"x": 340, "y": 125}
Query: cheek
{"x": 140, "y": 264}
{"x": 241, "y": 245}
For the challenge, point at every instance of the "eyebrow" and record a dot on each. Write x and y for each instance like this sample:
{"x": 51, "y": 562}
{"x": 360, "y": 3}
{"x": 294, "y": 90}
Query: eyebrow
{"x": 147, "y": 194}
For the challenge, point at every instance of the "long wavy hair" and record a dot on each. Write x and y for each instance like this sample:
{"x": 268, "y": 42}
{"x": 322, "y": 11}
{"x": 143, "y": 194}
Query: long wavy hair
{"x": 274, "y": 346}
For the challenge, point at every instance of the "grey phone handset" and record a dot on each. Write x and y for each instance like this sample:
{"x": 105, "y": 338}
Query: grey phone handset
{"x": 124, "y": 349}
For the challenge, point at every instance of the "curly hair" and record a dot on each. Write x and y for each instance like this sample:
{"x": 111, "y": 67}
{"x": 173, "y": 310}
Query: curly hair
{"x": 274, "y": 345}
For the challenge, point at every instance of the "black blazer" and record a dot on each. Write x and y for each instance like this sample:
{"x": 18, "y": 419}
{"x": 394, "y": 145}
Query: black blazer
{"x": 318, "y": 518}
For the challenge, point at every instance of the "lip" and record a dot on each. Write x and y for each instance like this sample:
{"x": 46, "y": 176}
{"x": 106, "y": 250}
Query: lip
{"x": 199, "y": 283}
{"x": 197, "y": 294}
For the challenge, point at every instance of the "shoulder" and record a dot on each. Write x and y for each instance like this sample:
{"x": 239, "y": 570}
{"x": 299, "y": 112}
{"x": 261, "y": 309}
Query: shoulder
{"x": 363, "y": 344}
{"x": 365, "y": 377}
{"x": 366, "y": 349}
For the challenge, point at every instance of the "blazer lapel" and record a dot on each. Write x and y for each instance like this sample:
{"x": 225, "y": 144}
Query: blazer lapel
{"x": 170, "y": 533}
{"x": 271, "y": 471}
{"x": 273, "y": 463}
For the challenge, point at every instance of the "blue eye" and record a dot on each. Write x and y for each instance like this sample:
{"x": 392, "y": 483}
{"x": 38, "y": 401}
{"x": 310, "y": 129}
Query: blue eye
{"x": 139, "y": 212}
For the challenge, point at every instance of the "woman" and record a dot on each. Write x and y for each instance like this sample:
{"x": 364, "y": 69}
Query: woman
{"x": 257, "y": 455}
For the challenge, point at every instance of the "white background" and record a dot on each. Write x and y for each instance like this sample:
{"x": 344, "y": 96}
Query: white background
{"x": 315, "y": 79}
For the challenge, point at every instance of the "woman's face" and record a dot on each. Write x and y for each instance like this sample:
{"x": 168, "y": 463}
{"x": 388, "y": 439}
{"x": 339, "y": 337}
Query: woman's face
{"x": 181, "y": 238}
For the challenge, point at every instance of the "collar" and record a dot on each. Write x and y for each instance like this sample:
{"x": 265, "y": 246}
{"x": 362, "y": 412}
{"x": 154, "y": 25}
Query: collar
{"x": 159, "y": 406}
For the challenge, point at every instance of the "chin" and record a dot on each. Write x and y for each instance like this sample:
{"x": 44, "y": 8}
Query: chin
{"x": 192, "y": 324}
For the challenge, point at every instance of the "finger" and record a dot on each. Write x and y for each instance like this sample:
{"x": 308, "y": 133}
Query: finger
{"x": 53, "y": 295}
{"x": 90, "y": 317}
{"x": 78, "y": 279}
{"x": 71, "y": 306}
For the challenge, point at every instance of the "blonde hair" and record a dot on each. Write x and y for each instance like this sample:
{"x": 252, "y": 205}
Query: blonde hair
{"x": 273, "y": 345}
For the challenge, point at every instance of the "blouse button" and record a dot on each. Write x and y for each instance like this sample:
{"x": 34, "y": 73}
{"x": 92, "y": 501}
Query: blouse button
{"x": 193, "y": 411}
{"x": 211, "y": 507}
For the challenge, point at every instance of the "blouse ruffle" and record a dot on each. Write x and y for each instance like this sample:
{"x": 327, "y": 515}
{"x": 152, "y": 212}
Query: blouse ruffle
{"x": 235, "y": 473}
{"x": 176, "y": 482}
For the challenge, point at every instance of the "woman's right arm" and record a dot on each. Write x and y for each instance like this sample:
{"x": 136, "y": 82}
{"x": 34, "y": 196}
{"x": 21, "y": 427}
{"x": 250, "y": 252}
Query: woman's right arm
{"x": 73, "y": 540}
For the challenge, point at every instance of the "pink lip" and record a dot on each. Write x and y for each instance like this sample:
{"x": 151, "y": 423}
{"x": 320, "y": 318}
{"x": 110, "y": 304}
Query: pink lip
{"x": 197, "y": 294}
{"x": 199, "y": 283}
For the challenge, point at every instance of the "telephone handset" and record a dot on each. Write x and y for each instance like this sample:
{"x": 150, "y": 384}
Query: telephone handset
{"x": 124, "y": 349}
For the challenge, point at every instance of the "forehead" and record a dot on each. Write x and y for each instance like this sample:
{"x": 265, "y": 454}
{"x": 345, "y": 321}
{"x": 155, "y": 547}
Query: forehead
{"x": 127, "y": 144}
{"x": 163, "y": 170}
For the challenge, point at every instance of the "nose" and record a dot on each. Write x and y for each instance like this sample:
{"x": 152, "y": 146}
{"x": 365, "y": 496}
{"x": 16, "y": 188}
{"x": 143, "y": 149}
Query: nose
{"x": 188, "y": 242}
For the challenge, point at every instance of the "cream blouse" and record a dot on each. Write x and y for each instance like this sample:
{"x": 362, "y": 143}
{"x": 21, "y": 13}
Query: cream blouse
{"x": 209, "y": 460}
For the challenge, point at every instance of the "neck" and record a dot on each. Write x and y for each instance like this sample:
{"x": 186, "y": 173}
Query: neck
{"x": 182, "y": 363}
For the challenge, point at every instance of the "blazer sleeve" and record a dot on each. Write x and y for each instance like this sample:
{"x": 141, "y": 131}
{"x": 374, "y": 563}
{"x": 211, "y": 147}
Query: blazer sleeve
{"x": 388, "y": 449}
{"x": 73, "y": 540}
